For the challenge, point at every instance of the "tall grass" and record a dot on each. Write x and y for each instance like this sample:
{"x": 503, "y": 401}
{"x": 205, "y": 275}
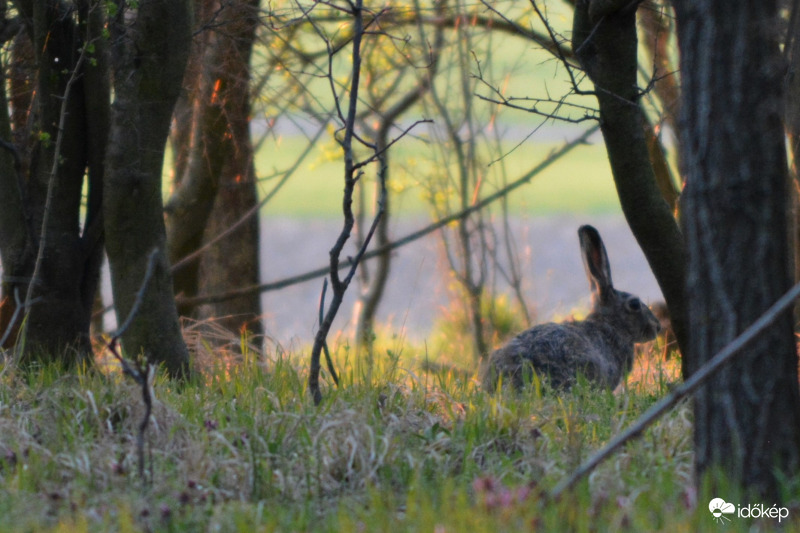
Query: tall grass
{"x": 241, "y": 448}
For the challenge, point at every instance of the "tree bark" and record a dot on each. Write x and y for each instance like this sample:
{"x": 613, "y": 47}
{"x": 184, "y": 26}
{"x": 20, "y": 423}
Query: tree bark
{"x": 151, "y": 47}
{"x": 605, "y": 42}
{"x": 792, "y": 124}
{"x": 42, "y": 222}
{"x": 215, "y": 172}
{"x": 735, "y": 205}
{"x": 16, "y": 233}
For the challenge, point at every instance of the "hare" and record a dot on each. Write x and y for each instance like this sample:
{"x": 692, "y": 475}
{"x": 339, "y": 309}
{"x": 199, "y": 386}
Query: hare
{"x": 600, "y": 347}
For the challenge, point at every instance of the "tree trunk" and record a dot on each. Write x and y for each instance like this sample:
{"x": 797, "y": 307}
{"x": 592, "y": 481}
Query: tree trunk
{"x": 16, "y": 232}
{"x": 43, "y": 232}
{"x": 151, "y": 47}
{"x": 372, "y": 291}
{"x": 375, "y": 284}
{"x": 604, "y": 40}
{"x": 215, "y": 173}
{"x": 735, "y": 205}
{"x": 792, "y": 124}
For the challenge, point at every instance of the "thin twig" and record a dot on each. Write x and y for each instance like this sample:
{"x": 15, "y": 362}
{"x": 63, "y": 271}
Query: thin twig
{"x": 411, "y": 237}
{"x": 141, "y": 374}
{"x": 325, "y": 349}
{"x": 722, "y": 358}
{"x": 137, "y": 303}
{"x": 19, "y": 306}
{"x": 339, "y": 285}
{"x": 193, "y": 256}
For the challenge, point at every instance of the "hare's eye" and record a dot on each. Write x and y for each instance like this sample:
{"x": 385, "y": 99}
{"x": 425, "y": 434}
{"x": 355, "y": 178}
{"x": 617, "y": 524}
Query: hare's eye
{"x": 634, "y": 304}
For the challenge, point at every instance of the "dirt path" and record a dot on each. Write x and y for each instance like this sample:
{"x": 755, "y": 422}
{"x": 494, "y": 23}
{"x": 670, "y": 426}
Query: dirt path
{"x": 555, "y": 283}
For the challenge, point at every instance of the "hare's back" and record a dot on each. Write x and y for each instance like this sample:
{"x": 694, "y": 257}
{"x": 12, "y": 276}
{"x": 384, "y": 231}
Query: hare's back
{"x": 557, "y": 352}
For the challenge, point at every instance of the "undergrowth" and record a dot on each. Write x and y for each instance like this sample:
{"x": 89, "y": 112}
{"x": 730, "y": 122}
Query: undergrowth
{"x": 242, "y": 448}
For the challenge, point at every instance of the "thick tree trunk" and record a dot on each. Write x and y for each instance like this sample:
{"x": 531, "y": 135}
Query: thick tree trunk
{"x": 150, "y": 54}
{"x": 42, "y": 214}
{"x": 604, "y": 40}
{"x": 792, "y": 123}
{"x": 233, "y": 262}
{"x": 215, "y": 170}
{"x": 735, "y": 205}
{"x": 16, "y": 232}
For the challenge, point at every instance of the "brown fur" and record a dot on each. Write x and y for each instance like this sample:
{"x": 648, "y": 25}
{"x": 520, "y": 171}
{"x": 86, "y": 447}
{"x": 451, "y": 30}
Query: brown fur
{"x": 599, "y": 347}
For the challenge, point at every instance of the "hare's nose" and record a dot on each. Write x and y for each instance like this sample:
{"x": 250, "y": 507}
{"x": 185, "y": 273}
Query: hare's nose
{"x": 655, "y": 322}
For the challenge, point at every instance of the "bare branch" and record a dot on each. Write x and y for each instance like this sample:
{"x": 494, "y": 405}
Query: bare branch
{"x": 11, "y": 323}
{"x": 318, "y": 272}
{"x": 137, "y": 303}
{"x": 325, "y": 349}
{"x": 253, "y": 210}
{"x": 338, "y": 285}
{"x": 589, "y": 113}
{"x": 19, "y": 307}
{"x": 379, "y": 152}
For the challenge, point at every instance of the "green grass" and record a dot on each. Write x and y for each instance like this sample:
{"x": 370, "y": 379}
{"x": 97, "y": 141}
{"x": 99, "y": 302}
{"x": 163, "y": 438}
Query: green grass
{"x": 580, "y": 182}
{"x": 242, "y": 448}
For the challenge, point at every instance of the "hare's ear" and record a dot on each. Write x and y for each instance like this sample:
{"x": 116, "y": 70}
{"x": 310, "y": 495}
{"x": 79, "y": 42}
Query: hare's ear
{"x": 595, "y": 261}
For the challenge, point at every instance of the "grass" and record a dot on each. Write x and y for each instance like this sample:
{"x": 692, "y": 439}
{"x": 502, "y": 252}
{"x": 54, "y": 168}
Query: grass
{"x": 241, "y": 448}
{"x": 581, "y": 182}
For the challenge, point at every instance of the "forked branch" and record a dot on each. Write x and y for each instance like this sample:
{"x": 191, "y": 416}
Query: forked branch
{"x": 351, "y": 174}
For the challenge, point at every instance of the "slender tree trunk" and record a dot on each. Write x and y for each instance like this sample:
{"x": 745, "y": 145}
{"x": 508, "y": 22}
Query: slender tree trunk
{"x": 150, "y": 54}
{"x": 374, "y": 286}
{"x": 372, "y": 293}
{"x": 747, "y": 419}
{"x": 234, "y": 261}
{"x": 604, "y": 40}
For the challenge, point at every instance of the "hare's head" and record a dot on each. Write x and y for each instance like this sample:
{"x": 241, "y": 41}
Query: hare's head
{"x": 623, "y": 310}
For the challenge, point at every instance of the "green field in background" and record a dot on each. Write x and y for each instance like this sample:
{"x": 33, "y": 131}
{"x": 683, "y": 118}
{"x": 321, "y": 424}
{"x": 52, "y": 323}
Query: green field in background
{"x": 579, "y": 182}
